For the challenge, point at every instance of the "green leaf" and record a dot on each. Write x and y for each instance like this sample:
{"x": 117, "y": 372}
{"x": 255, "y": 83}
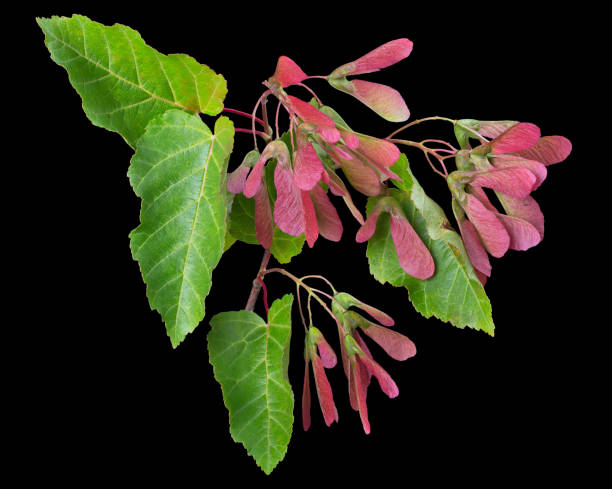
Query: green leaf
{"x": 453, "y": 293}
{"x": 250, "y": 358}
{"x": 229, "y": 239}
{"x": 123, "y": 82}
{"x": 285, "y": 247}
{"x": 179, "y": 172}
{"x": 242, "y": 219}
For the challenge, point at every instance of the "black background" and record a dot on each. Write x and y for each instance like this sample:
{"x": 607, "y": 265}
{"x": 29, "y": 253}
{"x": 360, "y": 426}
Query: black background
{"x": 106, "y": 392}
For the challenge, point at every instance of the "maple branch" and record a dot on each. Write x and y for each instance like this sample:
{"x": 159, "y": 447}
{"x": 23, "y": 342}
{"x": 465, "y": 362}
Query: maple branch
{"x": 250, "y": 305}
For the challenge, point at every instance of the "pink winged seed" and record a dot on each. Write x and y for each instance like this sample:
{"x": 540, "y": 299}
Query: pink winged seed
{"x": 366, "y": 375}
{"x": 342, "y": 153}
{"x": 413, "y": 255}
{"x": 288, "y": 210}
{"x": 307, "y": 168}
{"x": 510, "y": 161}
{"x": 378, "y": 315}
{"x": 519, "y": 137}
{"x": 343, "y": 354}
{"x": 473, "y": 246}
{"x": 385, "y": 381}
{"x": 324, "y": 392}
{"x": 481, "y": 276}
{"x": 516, "y": 182}
{"x": 379, "y": 152}
{"x": 360, "y": 393}
{"x": 352, "y": 388}
{"x": 397, "y": 346}
{"x": 492, "y": 129}
{"x": 325, "y": 125}
{"x": 311, "y": 227}
{"x": 523, "y": 235}
{"x": 237, "y": 179}
{"x": 526, "y": 209}
{"x": 330, "y": 225}
{"x": 337, "y": 187}
{"x": 349, "y": 138}
{"x": 264, "y": 221}
{"x": 366, "y": 231}
{"x": 479, "y": 193}
{"x": 328, "y": 357}
{"x": 383, "y": 56}
{"x": 382, "y": 99}
{"x": 253, "y": 181}
{"x": 548, "y": 150}
{"x": 362, "y": 177}
{"x": 491, "y": 231}
{"x": 288, "y": 72}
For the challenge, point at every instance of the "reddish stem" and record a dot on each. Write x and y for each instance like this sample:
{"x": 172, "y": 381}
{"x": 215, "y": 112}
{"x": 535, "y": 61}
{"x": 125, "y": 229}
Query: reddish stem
{"x": 311, "y": 92}
{"x": 418, "y": 121}
{"x": 250, "y": 131}
{"x": 441, "y": 142}
{"x": 261, "y": 98}
{"x": 265, "y": 295}
{"x": 276, "y": 118}
{"x": 244, "y": 114}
